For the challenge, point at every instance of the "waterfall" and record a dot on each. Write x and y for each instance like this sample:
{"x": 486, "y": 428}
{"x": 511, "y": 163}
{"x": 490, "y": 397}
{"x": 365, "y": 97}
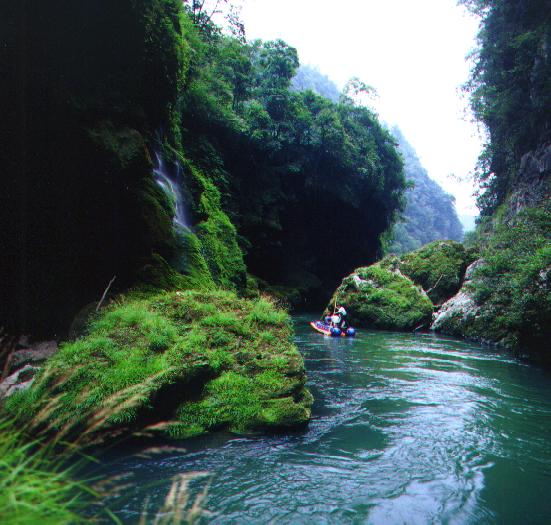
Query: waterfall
{"x": 170, "y": 179}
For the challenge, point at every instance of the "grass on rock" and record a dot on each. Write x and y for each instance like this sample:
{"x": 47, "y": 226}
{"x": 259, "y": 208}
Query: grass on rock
{"x": 181, "y": 363}
{"x": 376, "y": 297}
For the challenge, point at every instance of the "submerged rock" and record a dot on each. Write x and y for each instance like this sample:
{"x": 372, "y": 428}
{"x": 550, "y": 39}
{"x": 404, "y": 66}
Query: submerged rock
{"x": 179, "y": 363}
{"x": 377, "y": 297}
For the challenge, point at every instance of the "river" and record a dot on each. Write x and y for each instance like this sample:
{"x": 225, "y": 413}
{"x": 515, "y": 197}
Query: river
{"x": 411, "y": 429}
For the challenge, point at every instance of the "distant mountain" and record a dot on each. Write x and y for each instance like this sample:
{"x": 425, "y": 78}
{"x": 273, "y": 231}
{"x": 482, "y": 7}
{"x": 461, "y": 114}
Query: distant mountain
{"x": 308, "y": 77}
{"x": 430, "y": 212}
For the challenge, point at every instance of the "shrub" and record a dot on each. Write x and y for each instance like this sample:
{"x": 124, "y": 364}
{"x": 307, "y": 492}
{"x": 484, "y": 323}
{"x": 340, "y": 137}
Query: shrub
{"x": 514, "y": 283}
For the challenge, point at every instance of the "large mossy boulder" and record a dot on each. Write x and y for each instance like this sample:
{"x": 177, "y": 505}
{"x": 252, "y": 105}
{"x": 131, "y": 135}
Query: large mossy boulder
{"x": 506, "y": 295}
{"x": 377, "y": 297}
{"x": 437, "y": 267}
{"x": 178, "y": 363}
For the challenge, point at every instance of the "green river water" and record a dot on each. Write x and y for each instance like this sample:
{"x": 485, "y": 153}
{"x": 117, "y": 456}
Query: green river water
{"x": 405, "y": 429}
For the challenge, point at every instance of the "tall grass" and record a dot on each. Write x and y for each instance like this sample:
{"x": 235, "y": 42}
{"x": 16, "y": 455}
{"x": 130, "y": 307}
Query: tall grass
{"x": 35, "y": 486}
{"x": 178, "y": 507}
{"x": 38, "y": 487}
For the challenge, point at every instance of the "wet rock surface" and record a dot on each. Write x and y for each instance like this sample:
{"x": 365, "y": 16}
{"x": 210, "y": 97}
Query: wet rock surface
{"x": 23, "y": 363}
{"x": 458, "y": 315}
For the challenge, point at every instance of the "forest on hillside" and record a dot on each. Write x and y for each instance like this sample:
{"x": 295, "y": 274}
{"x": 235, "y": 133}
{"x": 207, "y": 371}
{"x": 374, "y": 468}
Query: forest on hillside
{"x": 429, "y": 213}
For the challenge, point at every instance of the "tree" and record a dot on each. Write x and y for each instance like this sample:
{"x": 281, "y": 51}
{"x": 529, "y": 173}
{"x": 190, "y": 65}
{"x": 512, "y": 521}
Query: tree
{"x": 356, "y": 92}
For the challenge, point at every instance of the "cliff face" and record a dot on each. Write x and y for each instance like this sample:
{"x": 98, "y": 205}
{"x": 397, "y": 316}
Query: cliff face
{"x": 506, "y": 296}
{"x": 79, "y": 205}
{"x": 531, "y": 185}
{"x": 101, "y": 89}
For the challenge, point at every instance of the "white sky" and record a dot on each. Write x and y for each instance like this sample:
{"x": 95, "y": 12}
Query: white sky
{"x": 412, "y": 52}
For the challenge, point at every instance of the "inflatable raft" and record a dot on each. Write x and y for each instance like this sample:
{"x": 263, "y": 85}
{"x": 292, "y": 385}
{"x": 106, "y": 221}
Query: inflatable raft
{"x": 325, "y": 329}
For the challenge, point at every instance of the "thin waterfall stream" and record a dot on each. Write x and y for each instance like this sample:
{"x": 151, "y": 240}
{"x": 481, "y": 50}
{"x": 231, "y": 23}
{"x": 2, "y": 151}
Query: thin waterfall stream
{"x": 169, "y": 178}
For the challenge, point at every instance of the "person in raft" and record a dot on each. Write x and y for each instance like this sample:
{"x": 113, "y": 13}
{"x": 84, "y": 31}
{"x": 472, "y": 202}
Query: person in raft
{"x": 341, "y": 312}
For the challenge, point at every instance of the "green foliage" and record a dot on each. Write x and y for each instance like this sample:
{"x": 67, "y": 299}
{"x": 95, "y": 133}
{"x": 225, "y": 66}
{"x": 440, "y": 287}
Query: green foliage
{"x": 514, "y": 283}
{"x": 218, "y": 237}
{"x": 438, "y": 268}
{"x": 170, "y": 355}
{"x": 429, "y": 214}
{"x": 263, "y": 313}
{"x": 267, "y": 148}
{"x": 376, "y": 297}
{"x": 34, "y": 486}
{"x": 510, "y": 89}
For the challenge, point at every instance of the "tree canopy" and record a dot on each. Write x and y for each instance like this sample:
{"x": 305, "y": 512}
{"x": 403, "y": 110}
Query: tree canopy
{"x": 297, "y": 170}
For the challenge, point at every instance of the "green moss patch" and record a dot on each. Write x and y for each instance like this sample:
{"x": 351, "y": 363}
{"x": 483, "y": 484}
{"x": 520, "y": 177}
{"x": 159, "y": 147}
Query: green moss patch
{"x": 180, "y": 363}
{"x": 217, "y": 235}
{"x": 437, "y": 267}
{"x": 376, "y": 297}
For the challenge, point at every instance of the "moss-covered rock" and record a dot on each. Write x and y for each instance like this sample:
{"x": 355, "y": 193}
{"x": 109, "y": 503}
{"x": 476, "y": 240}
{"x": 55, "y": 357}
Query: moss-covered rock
{"x": 460, "y": 315}
{"x": 216, "y": 233}
{"x": 377, "y": 297}
{"x": 506, "y": 297}
{"x": 180, "y": 363}
{"x": 437, "y": 267}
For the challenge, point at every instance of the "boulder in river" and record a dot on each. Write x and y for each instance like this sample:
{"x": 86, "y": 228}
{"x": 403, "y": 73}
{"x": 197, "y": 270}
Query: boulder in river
{"x": 177, "y": 363}
{"x": 459, "y": 315}
{"x": 378, "y": 297}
